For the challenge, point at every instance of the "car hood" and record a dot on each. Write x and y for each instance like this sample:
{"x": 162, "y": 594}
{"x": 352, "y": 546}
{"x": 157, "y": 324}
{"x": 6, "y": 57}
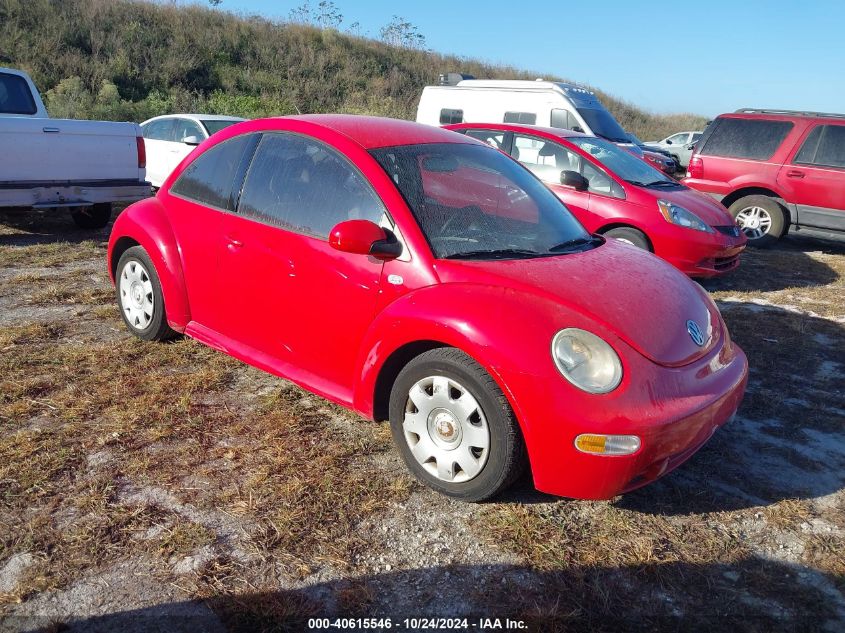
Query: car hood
{"x": 705, "y": 207}
{"x": 639, "y": 297}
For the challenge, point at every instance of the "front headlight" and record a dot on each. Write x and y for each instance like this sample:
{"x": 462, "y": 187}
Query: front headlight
{"x": 586, "y": 360}
{"x": 682, "y": 217}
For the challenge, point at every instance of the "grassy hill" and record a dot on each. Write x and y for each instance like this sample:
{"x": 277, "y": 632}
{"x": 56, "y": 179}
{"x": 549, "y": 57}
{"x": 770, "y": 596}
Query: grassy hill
{"x": 129, "y": 60}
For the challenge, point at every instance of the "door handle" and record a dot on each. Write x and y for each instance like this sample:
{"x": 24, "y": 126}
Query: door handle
{"x": 50, "y": 130}
{"x": 794, "y": 173}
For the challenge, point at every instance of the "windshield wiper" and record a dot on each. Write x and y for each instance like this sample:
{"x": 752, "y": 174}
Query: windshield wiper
{"x": 662, "y": 183}
{"x": 571, "y": 244}
{"x": 636, "y": 182}
{"x": 494, "y": 253}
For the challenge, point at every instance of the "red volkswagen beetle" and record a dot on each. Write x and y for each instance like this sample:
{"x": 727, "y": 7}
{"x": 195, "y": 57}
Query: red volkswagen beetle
{"x": 415, "y": 274}
{"x": 616, "y": 194}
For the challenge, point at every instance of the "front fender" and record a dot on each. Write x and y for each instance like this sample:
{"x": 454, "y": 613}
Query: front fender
{"x": 508, "y": 332}
{"x": 146, "y": 223}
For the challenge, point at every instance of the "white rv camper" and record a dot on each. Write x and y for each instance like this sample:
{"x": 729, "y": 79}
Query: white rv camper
{"x": 543, "y": 103}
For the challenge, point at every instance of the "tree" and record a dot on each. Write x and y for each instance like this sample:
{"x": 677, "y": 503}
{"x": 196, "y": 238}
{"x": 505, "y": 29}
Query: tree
{"x": 215, "y": 3}
{"x": 302, "y": 14}
{"x": 400, "y": 32}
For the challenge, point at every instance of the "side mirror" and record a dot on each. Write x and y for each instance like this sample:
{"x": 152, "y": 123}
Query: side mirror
{"x": 191, "y": 140}
{"x": 668, "y": 142}
{"x": 577, "y": 128}
{"x": 691, "y": 146}
{"x": 363, "y": 237}
{"x": 575, "y": 180}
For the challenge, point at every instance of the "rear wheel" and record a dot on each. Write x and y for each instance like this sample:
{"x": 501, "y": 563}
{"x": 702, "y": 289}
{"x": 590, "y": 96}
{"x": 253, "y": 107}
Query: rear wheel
{"x": 139, "y": 296}
{"x": 631, "y": 236}
{"x": 94, "y": 217}
{"x": 761, "y": 218}
{"x": 454, "y": 427}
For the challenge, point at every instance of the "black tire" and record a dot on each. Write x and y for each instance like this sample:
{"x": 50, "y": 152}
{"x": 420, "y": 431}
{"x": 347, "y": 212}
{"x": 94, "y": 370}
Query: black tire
{"x": 506, "y": 458}
{"x": 630, "y": 235}
{"x": 93, "y": 217}
{"x": 157, "y": 328}
{"x": 778, "y": 214}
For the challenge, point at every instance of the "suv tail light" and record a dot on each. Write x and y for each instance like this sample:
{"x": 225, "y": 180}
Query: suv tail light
{"x": 696, "y": 167}
{"x": 142, "y": 152}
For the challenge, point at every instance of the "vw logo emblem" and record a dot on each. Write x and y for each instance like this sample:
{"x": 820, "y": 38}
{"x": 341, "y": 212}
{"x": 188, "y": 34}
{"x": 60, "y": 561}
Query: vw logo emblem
{"x": 695, "y": 333}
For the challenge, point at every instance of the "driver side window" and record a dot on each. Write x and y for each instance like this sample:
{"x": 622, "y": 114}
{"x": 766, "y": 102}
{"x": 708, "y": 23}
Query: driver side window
{"x": 304, "y": 186}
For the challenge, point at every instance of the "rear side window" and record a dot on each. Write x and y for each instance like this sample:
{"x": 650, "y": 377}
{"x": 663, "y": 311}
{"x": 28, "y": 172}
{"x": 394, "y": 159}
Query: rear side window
{"x": 448, "y": 116}
{"x": 15, "y": 97}
{"x": 756, "y": 139}
{"x": 304, "y": 186}
{"x": 526, "y": 118}
{"x": 825, "y": 147}
{"x": 210, "y": 179}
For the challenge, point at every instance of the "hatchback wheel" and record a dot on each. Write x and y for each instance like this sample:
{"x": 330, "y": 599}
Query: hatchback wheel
{"x": 139, "y": 296}
{"x": 454, "y": 427}
{"x": 761, "y": 218}
{"x": 631, "y": 236}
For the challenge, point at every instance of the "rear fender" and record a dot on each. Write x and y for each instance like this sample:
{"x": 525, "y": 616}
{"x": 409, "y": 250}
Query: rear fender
{"x": 146, "y": 224}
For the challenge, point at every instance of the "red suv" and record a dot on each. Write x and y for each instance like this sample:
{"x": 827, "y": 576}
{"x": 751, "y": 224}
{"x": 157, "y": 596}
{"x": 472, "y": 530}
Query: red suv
{"x": 774, "y": 169}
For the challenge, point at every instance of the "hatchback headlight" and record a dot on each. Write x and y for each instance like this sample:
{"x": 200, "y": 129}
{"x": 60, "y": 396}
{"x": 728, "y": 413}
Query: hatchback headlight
{"x": 586, "y": 360}
{"x": 682, "y": 217}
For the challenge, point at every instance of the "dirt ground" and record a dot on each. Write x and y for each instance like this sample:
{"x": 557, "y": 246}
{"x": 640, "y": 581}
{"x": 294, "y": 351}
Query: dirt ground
{"x": 169, "y": 487}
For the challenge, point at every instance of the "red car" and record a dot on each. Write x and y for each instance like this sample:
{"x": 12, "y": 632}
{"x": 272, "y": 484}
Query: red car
{"x": 416, "y": 275}
{"x": 775, "y": 170}
{"x": 616, "y": 194}
{"x": 657, "y": 160}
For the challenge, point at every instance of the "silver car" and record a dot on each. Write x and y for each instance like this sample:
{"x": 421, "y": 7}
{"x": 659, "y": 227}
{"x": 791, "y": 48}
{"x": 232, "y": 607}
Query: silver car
{"x": 679, "y": 145}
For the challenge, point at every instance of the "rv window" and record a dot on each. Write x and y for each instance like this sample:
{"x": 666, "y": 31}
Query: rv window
{"x": 563, "y": 119}
{"x": 526, "y": 118}
{"x": 448, "y": 116}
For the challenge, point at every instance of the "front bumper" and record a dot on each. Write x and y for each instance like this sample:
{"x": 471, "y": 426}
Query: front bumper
{"x": 700, "y": 254}
{"x": 674, "y": 411}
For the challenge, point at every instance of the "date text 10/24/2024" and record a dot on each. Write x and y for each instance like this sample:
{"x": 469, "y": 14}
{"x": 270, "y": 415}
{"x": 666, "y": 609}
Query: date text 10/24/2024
{"x": 417, "y": 624}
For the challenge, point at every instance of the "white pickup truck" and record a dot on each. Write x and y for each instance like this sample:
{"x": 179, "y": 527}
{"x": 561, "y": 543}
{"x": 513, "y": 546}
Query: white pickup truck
{"x": 83, "y": 166}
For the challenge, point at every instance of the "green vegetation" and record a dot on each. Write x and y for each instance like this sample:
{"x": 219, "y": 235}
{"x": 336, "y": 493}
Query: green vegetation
{"x": 129, "y": 60}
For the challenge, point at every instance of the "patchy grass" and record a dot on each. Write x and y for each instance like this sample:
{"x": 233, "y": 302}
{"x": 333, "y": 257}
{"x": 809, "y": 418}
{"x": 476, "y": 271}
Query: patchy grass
{"x": 53, "y": 254}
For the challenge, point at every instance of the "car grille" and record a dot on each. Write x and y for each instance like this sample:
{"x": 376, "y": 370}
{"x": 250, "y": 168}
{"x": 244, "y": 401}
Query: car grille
{"x": 732, "y": 230}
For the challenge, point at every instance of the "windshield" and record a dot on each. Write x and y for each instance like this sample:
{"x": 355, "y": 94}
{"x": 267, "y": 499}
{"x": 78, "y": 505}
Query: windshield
{"x": 603, "y": 124}
{"x": 212, "y": 126}
{"x": 622, "y": 163}
{"x": 474, "y": 202}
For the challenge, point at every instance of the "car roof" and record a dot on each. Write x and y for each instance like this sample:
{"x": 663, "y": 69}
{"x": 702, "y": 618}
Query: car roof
{"x": 521, "y": 127}
{"x": 196, "y": 117}
{"x": 371, "y": 132}
{"x": 781, "y": 115}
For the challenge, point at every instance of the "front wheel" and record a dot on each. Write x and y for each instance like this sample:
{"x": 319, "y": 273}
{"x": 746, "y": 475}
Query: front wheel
{"x": 94, "y": 217}
{"x": 631, "y": 236}
{"x": 139, "y": 296}
{"x": 454, "y": 427}
{"x": 761, "y": 218}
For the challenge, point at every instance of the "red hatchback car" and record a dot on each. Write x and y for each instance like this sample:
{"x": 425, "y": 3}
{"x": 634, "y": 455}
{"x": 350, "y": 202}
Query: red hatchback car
{"x": 616, "y": 194}
{"x": 417, "y": 275}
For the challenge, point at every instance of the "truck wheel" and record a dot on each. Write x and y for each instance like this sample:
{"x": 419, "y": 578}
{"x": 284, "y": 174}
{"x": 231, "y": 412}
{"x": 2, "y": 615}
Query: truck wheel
{"x": 93, "y": 217}
{"x": 631, "y": 236}
{"x": 139, "y": 296}
{"x": 761, "y": 218}
{"x": 454, "y": 427}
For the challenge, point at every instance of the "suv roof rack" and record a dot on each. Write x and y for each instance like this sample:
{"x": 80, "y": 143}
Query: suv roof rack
{"x": 794, "y": 112}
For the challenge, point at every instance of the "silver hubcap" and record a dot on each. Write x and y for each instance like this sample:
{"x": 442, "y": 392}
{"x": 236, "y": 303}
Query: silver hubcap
{"x": 136, "y": 295}
{"x": 446, "y": 429}
{"x": 755, "y": 222}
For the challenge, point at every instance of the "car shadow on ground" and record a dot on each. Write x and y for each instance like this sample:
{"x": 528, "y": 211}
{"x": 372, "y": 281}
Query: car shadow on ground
{"x": 740, "y": 596}
{"x": 784, "y": 265}
{"x": 31, "y": 227}
{"x": 788, "y": 440}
